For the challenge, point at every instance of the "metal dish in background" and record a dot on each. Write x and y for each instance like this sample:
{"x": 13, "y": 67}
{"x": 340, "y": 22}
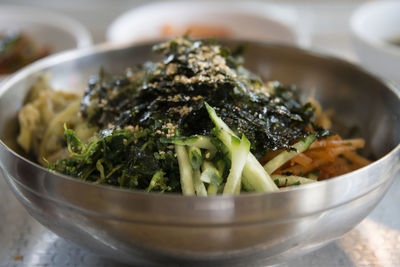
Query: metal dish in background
{"x": 246, "y": 230}
{"x": 49, "y": 29}
{"x": 376, "y": 37}
{"x": 237, "y": 20}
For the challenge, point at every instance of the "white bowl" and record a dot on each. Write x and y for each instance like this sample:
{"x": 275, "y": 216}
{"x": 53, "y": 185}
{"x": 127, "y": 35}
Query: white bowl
{"x": 251, "y": 21}
{"x": 374, "y": 25}
{"x": 53, "y": 30}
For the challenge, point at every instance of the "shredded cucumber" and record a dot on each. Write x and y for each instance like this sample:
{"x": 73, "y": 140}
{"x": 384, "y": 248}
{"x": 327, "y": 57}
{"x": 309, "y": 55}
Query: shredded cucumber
{"x": 254, "y": 174}
{"x": 199, "y": 141}
{"x": 285, "y": 156}
{"x": 198, "y": 184}
{"x": 220, "y": 165}
{"x": 288, "y": 180}
{"x": 210, "y": 174}
{"x": 195, "y": 157}
{"x": 185, "y": 170}
{"x": 212, "y": 190}
{"x": 240, "y": 151}
{"x": 313, "y": 175}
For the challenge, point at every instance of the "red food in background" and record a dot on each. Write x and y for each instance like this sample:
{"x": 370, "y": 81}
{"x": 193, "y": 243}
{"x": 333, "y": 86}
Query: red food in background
{"x": 195, "y": 30}
{"x": 18, "y": 50}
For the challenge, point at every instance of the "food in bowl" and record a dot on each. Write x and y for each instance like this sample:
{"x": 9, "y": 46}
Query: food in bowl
{"x": 18, "y": 49}
{"x": 195, "y": 122}
{"x": 195, "y": 30}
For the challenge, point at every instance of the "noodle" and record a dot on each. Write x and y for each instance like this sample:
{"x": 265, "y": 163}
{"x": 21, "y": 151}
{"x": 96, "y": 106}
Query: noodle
{"x": 42, "y": 118}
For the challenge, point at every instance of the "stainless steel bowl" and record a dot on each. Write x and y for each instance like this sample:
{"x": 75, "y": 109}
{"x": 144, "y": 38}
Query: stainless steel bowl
{"x": 245, "y": 230}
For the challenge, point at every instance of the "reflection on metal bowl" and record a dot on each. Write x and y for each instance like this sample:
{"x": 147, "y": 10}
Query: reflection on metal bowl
{"x": 250, "y": 229}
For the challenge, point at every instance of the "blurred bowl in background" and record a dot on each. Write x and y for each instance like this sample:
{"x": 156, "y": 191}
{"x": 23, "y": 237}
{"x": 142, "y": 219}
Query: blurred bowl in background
{"x": 246, "y": 21}
{"x": 49, "y": 30}
{"x": 376, "y": 37}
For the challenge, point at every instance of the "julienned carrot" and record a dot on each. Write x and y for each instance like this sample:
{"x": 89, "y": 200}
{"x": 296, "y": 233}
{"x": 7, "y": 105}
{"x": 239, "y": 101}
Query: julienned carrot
{"x": 330, "y": 153}
{"x": 356, "y": 143}
{"x": 323, "y": 155}
{"x": 301, "y": 170}
{"x": 356, "y": 159}
{"x": 338, "y": 167}
{"x": 302, "y": 159}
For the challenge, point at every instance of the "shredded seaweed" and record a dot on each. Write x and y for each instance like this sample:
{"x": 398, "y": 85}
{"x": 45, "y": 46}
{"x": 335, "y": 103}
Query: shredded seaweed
{"x": 158, "y": 100}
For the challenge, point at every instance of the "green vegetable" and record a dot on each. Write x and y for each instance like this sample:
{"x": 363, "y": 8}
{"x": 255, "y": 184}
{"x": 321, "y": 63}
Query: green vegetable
{"x": 220, "y": 165}
{"x": 198, "y": 184}
{"x": 199, "y": 141}
{"x": 256, "y": 177}
{"x": 285, "y": 156}
{"x": 253, "y": 173}
{"x": 195, "y": 157}
{"x": 157, "y": 127}
{"x": 212, "y": 190}
{"x": 117, "y": 158}
{"x": 173, "y": 90}
{"x": 313, "y": 175}
{"x": 158, "y": 181}
{"x": 289, "y": 180}
{"x": 247, "y": 186}
{"x": 210, "y": 174}
{"x": 240, "y": 151}
{"x": 185, "y": 170}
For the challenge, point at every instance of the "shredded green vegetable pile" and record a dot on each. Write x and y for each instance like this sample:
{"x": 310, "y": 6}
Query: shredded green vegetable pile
{"x": 195, "y": 122}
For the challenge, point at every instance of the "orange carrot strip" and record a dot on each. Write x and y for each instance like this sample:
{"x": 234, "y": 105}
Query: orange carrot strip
{"x": 320, "y": 158}
{"x": 298, "y": 169}
{"x": 302, "y": 159}
{"x": 338, "y": 167}
{"x": 356, "y": 159}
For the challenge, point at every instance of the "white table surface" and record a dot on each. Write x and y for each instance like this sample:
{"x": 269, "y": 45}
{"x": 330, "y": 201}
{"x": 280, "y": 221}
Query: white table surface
{"x": 374, "y": 242}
